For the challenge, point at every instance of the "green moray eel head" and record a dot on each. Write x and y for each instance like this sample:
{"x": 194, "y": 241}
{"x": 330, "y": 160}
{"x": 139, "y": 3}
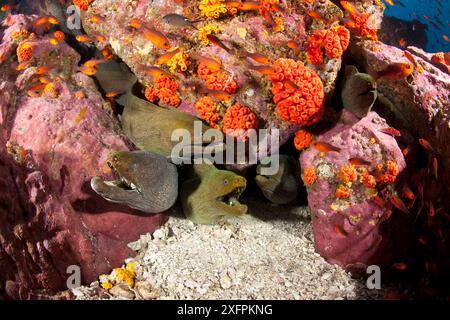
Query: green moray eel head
{"x": 146, "y": 181}
{"x": 228, "y": 188}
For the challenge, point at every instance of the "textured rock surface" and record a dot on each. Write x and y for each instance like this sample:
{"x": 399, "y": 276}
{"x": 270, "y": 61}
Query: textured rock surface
{"x": 244, "y": 31}
{"x": 421, "y": 100}
{"x": 51, "y": 145}
{"x": 349, "y": 229}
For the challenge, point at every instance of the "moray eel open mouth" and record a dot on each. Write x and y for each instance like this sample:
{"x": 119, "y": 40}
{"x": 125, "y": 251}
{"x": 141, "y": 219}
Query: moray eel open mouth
{"x": 145, "y": 181}
{"x": 229, "y": 197}
{"x": 232, "y": 198}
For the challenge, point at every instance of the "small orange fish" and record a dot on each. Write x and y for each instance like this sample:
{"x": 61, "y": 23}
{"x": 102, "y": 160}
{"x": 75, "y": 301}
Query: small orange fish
{"x": 257, "y": 57}
{"x": 268, "y": 17}
{"x": 107, "y": 54}
{"x": 157, "y": 38}
{"x": 88, "y": 71}
{"x": 40, "y": 21}
{"x": 291, "y": 85}
{"x": 113, "y": 94}
{"x": 446, "y": 38}
{"x": 23, "y": 154}
{"x": 399, "y": 204}
{"x": 265, "y": 70}
{"x": 53, "y": 20}
{"x": 407, "y": 192}
{"x": 426, "y": 145}
{"x": 359, "y": 162}
{"x": 431, "y": 211}
{"x": 294, "y": 45}
{"x": 325, "y": 147}
{"x": 81, "y": 115}
{"x": 391, "y": 131}
{"x": 42, "y": 70}
{"x": 211, "y": 63}
{"x": 396, "y": 71}
{"x": 339, "y": 230}
{"x": 44, "y": 80}
{"x": 135, "y": 23}
{"x": 350, "y": 8}
{"x": 6, "y": 7}
{"x": 400, "y": 266}
{"x": 83, "y": 38}
{"x": 249, "y": 6}
{"x": 314, "y": 14}
{"x": 390, "y": 2}
{"x": 96, "y": 19}
{"x": 379, "y": 202}
{"x": 156, "y": 72}
{"x": 22, "y": 66}
{"x": 221, "y": 95}
{"x": 217, "y": 42}
{"x": 93, "y": 63}
{"x": 435, "y": 167}
{"x": 402, "y": 43}
{"x": 167, "y": 56}
{"x": 53, "y": 42}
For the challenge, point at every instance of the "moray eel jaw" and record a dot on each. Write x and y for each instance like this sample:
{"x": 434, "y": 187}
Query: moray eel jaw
{"x": 228, "y": 199}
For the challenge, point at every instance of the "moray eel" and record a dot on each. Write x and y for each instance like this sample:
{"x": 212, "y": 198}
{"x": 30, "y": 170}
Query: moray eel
{"x": 150, "y": 127}
{"x": 282, "y": 187}
{"x": 148, "y": 182}
{"x": 359, "y": 92}
{"x": 211, "y": 194}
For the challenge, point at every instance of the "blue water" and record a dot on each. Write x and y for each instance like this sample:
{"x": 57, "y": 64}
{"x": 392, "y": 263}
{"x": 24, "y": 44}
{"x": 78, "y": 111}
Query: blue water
{"x": 437, "y": 10}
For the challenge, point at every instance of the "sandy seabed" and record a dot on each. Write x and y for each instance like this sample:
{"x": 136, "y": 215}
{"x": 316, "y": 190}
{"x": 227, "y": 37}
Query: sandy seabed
{"x": 268, "y": 254}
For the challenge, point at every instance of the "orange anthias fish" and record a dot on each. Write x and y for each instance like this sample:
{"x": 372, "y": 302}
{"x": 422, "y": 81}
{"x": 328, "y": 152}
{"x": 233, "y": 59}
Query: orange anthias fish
{"x": 6, "y": 7}
{"x": 135, "y": 23}
{"x": 294, "y": 45}
{"x": 96, "y": 19}
{"x": 248, "y": 6}
{"x": 379, "y": 202}
{"x": 396, "y": 71}
{"x": 93, "y": 63}
{"x": 291, "y": 85}
{"x": 359, "y": 162}
{"x": 350, "y": 8}
{"x": 209, "y": 62}
{"x": 113, "y": 94}
{"x": 156, "y": 72}
{"x": 435, "y": 167}
{"x": 426, "y": 145}
{"x": 400, "y": 266}
{"x": 221, "y": 95}
{"x": 399, "y": 204}
{"x": 167, "y": 56}
{"x": 268, "y": 17}
{"x": 83, "y": 38}
{"x": 217, "y": 42}
{"x": 391, "y": 131}
{"x": 258, "y": 57}
{"x": 42, "y": 70}
{"x": 266, "y": 70}
{"x": 407, "y": 192}
{"x": 325, "y": 147}
{"x": 88, "y": 71}
{"x": 157, "y": 38}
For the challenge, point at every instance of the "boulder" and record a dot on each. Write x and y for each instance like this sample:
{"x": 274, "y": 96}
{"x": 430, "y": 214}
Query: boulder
{"x": 51, "y": 145}
{"x": 350, "y": 228}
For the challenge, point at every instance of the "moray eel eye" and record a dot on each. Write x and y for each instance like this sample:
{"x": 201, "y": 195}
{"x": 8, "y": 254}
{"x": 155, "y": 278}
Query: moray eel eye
{"x": 225, "y": 182}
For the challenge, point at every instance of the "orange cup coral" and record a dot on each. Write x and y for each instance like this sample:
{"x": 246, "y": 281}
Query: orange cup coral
{"x": 309, "y": 176}
{"x": 207, "y": 110}
{"x": 298, "y": 92}
{"x": 237, "y": 120}
{"x": 216, "y": 79}
{"x": 165, "y": 90}
{"x": 82, "y": 4}
{"x": 334, "y": 41}
{"x": 303, "y": 139}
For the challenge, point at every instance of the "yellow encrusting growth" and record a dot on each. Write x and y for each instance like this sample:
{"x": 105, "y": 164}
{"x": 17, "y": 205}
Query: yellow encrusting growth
{"x": 180, "y": 61}
{"x": 206, "y": 30}
{"x": 125, "y": 275}
{"x": 212, "y": 9}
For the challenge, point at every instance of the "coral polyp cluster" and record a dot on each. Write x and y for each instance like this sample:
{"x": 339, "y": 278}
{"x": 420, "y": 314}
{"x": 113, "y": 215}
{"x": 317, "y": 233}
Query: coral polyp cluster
{"x": 237, "y": 120}
{"x": 180, "y": 62}
{"x": 82, "y": 4}
{"x": 302, "y": 139}
{"x": 165, "y": 90}
{"x": 205, "y": 31}
{"x": 342, "y": 192}
{"x": 362, "y": 25}
{"x": 25, "y": 51}
{"x": 309, "y": 176}
{"x": 123, "y": 275}
{"x": 298, "y": 92}
{"x": 216, "y": 79}
{"x": 348, "y": 174}
{"x": 387, "y": 172}
{"x": 334, "y": 42}
{"x": 207, "y": 110}
{"x": 212, "y": 9}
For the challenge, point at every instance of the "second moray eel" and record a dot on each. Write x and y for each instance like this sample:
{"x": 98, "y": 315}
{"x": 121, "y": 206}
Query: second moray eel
{"x": 211, "y": 194}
